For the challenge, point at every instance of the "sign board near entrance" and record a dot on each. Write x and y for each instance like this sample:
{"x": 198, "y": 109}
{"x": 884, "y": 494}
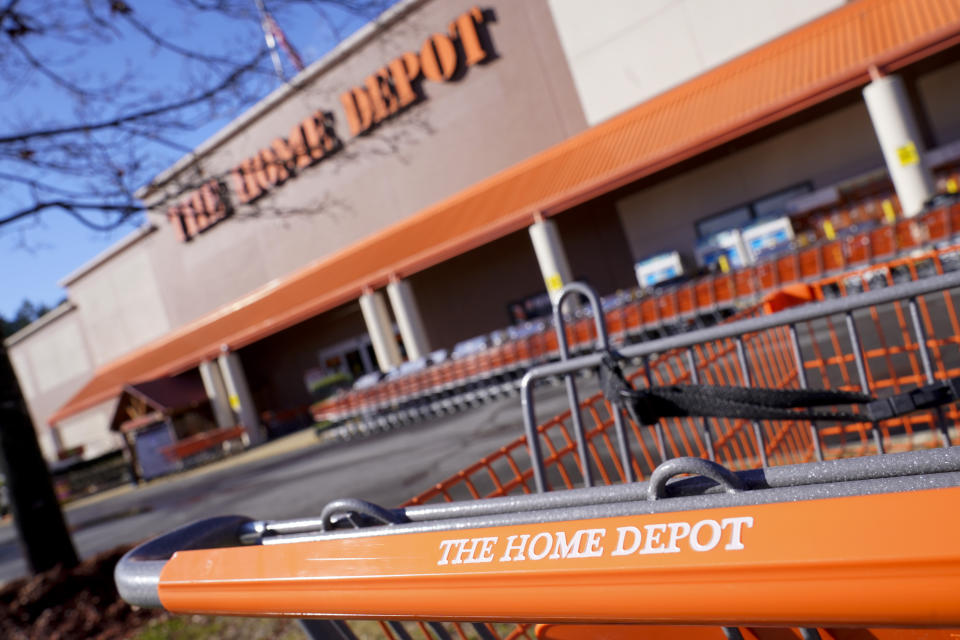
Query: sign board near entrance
{"x": 391, "y": 89}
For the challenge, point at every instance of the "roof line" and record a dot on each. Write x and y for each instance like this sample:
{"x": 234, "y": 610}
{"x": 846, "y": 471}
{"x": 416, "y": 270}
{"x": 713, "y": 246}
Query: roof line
{"x": 57, "y": 312}
{"x": 119, "y": 247}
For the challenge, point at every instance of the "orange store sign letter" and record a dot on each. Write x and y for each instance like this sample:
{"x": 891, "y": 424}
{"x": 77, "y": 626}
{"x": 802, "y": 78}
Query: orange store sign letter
{"x": 199, "y": 211}
{"x": 395, "y": 86}
{"x": 309, "y": 141}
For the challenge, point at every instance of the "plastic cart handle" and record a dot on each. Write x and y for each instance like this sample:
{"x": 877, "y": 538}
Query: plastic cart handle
{"x": 137, "y": 575}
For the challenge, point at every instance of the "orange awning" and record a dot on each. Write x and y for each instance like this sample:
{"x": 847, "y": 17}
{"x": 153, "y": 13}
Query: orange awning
{"x": 822, "y": 59}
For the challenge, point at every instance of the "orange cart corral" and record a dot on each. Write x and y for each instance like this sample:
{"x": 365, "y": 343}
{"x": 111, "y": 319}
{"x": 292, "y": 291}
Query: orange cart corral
{"x": 787, "y": 474}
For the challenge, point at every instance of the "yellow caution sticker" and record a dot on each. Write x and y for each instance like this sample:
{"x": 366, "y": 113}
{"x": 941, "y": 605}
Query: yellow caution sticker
{"x": 724, "y": 264}
{"x": 554, "y": 282}
{"x": 907, "y": 154}
{"x": 234, "y": 402}
{"x": 952, "y": 186}
{"x": 828, "y": 230}
{"x": 889, "y": 213}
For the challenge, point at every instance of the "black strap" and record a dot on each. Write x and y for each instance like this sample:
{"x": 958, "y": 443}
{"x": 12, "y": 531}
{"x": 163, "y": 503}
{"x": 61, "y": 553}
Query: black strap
{"x": 647, "y": 406}
{"x": 651, "y": 404}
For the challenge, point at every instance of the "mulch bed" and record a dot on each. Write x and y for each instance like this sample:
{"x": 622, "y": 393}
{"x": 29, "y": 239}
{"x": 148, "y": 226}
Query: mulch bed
{"x": 67, "y": 604}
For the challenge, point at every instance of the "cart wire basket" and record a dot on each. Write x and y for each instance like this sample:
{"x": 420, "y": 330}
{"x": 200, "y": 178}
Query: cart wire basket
{"x": 788, "y": 474}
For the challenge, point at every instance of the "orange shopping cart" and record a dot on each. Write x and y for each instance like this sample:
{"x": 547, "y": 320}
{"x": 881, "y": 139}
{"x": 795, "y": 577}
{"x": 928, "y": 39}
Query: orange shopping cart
{"x": 779, "y": 475}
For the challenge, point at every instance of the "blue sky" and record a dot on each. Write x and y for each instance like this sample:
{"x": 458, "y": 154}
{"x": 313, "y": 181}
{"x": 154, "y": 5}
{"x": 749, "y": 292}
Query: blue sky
{"x": 37, "y": 253}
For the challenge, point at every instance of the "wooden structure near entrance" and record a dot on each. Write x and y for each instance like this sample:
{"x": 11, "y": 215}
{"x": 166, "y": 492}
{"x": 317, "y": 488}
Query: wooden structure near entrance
{"x": 181, "y": 403}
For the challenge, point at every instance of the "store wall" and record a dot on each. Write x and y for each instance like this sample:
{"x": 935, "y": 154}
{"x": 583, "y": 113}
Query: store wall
{"x": 467, "y": 296}
{"x": 90, "y": 429}
{"x": 831, "y": 148}
{"x": 120, "y": 303}
{"x": 596, "y": 245}
{"x": 276, "y": 365}
{"x": 632, "y": 50}
{"x": 940, "y": 93}
{"x": 496, "y": 113}
{"x": 52, "y": 361}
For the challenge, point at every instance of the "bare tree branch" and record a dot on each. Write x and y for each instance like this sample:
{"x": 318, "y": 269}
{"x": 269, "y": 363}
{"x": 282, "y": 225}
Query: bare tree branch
{"x": 156, "y": 137}
{"x": 144, "y": 114}
{"x": 175, "y": 48}
{"x": 49, "y": 73}
{"x": 38, "y": 186}
{"x": 74, "y": 209}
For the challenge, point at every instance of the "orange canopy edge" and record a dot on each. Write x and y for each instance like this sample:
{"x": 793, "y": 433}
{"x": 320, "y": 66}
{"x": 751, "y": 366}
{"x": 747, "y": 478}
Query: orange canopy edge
{"x": 824, "y": 58}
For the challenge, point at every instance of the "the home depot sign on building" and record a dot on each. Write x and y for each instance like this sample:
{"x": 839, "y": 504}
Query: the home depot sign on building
{"x": 384, "y": 93}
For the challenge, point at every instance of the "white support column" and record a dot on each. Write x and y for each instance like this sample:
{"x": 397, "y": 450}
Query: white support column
{"x": 551, "y": 256}
{"x": 899, "y": 136}
{"x": 407, "y": 313}
{"x": 217, "y": 392}
{"x": 375, "y": 315}
{"x": 241, "y": 400}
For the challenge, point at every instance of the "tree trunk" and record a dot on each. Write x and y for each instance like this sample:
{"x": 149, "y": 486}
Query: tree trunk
{"x": 36, "y": 511}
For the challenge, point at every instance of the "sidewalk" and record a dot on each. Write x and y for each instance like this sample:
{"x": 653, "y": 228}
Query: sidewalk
{"x": 300, "y": 440}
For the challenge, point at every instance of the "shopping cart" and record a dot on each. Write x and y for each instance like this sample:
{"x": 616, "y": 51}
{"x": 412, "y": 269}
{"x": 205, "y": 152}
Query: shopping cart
{"x": 640, "y": 507}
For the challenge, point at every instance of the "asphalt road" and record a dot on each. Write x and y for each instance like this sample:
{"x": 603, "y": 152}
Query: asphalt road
{"x": 387, "y": 469}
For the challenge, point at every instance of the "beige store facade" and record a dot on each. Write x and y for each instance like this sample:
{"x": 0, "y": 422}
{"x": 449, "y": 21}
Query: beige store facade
{"x": 270, "y": 239}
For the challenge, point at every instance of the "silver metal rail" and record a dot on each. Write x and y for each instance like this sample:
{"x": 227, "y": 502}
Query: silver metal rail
{"x": 811, "y": 473}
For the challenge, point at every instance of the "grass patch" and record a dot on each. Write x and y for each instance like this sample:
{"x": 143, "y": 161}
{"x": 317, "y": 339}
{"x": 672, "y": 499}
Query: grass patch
{"x": 204, "y": 627}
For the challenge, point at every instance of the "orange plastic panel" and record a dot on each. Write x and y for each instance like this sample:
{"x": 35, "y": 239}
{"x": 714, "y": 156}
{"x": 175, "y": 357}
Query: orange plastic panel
{"x": 744, "y": 282}
{"x": 667, "y": 305}
{"x": 634, "y": 318}
{"x": 856, "y": 248}
{"x": 938, "y": 224}
{"x": 788, "y": 268}
{"x": 907, "y": 236}
{"x": 704, "y": 293}
{"x": 767, "y": 274}
{"x": 811, "y": 266}
{"x": 882, "y": 241}
{"x": 686, "y": 300}
{"x": 724, "y": 288}
{"x": 616, "y": 321}
{"x": 201, "y": 442}
{"x": 648, "y": 311}
{"x": 791, "y": 295}
{"x": 955, "y": 217}
{"x": 833, "y": 256}
{"x": 885, "y": 560}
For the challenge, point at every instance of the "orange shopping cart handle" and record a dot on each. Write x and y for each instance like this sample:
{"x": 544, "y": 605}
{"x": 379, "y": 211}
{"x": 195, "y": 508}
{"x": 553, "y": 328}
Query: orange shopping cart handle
{"x": 137, "y": 575}
{"x": 881, "y": 559}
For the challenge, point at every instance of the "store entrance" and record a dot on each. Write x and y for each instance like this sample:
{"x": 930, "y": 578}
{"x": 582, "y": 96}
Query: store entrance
{"x": 353, "y": 357}
{"x": 341, "y": 365}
